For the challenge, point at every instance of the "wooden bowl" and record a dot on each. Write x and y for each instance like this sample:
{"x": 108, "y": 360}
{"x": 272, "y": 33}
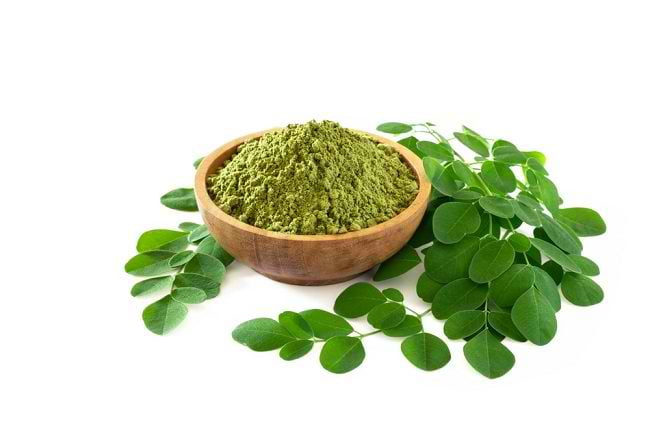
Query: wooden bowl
{"x": 309, "y": 260}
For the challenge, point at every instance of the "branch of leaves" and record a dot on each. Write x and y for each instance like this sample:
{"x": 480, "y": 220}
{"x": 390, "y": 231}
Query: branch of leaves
{"x": 190, "y": 276}
{"x": 296, "y": 333}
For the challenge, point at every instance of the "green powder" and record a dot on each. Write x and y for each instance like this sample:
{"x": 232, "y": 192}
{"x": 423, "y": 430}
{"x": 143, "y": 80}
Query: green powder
{"x": 314, "y": 178}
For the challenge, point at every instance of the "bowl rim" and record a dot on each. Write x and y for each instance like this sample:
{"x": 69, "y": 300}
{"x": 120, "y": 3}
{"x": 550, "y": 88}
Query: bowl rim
{"x": 207, "y": 205}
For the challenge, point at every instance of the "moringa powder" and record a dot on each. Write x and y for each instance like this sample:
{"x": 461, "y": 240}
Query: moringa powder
{"x": 313, "y": 178}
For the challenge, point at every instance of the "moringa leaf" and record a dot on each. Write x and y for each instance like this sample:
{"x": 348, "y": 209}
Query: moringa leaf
{"x": 581, "y": 290}
{"x": 502, "y": 322}
{"x": 459, "y": 295}
{"x": 453, "y": 220}
{"x": 424, "y": 233}
{"x": 152, "y": 285}
{"x": 411, "y": 143}
{"x": 149, "y": 264}
{"x": 426, "y": 351}
{"x": 164, "y": 315}
{"x": 498, "y": 206}
{"x": 491, "y": 261}
{"x": 179, "y": 259}
{"x": 189, "y": 295}
{"x": 262, "y": 335}
{"x": 548, "y": 194}
{"x": 432, "y": 168}
{"x": 198, "y": 281}
{"x": 197, "y": 162}
{"x": 544, "y": 282}
{"x": 188, "y": 226}
{"x": 513, "y": 283}
{"x": 180, "y": 199}
{"x": 393, "y": 294}
{"x": 446, "y": 263}
{"x": 386, "y": 316}
{"x": 209, "y": 246}
{"x": 206, "y": 265}
{"x": 488, "y": 356}
{"x": 325, "y": 324}
{"x": 507, "y": 154}
{"x": 295, "y": 324}
{"x": 439, "y": 151}
{"x": 555, "y": 254}
{"x": 198, "y": 234}
{"x": 394, "y": 128}
{"x": 534, "y": 317}
{"x": 519, "y": 242}
{"x": 473, "y": 142}
{"x": 427, "y": 288}
{"x": 554, "y": 270}
{"x": 357, "y": 300}
{"x": 526, "y": 214}
{"x": 400, "y": 263}
{"x": 296, "y": 349}
{"x": 587, "y": 266}
{"x": 409, "y": 326}
{"x": 342, "y": 354}
{"x": 561, "y": 235}
{"x": 498, "y": 176}
{"x": 584, "y": 221}
{"x": 465, "y": 174}
{"x": 162, "y": 240}
{"x": 464, "y": 323}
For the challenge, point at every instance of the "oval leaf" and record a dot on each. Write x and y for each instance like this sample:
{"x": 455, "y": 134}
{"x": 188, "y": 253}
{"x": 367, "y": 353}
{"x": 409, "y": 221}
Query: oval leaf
{"x": 152, "y": 285}
{"x": 179, "y": 259}
{"x": 446, "y": 263}
{"x": 498, "y": 176}
{"x": 498, "y": 206}
{"x": 488, "y": 356}
{"x": 206, "y": 265}
{"x": 555, "y": 254}
{"x": 561, "y": 236}
{"x": 491, "y": 261}
{"x": 502, "y": 323}
{"x": 400, "y": 263}
{"x": 180, "y": 199}
{"x": 427, "y": 288}
{"x": 387, "y": 315}
{"x": 393, "y": 294}
{"x": 296, "y": 349}
{"x": 545, "y": 283}
{"x": 534, "y": 317}
{"x": 262, "y": 334}
{"x": 587, "y": 266}
{"x": 342, "y": 354}
{"x": 357, "y": 300}
{"x": 295, "y": 324}
{"x": 513, "y": 283}
{"x": 162, "y": 239}
{"x": 426, "y": 351}
{"x": 409, "y": 326}
{"x": 464, "y": 323}
{"x": 209, "y": 246}
{"x": 459, "y": 295}
{"x": 189, "y": 295}
{"x": 453, "y": 220}
{"x": 164, "y": 315}
{"x": 149, "y": 264}
{"x": 584, "y": 221}
{"x": 325, "y": 324}
{"x": 581, "y": 290}
{"x": 473, "y": 143}
{"x": 394, "y": 128}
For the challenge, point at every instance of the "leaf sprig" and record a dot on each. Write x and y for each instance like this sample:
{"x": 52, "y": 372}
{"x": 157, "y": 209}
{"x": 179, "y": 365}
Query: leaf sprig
{"x": 187, "y": 263}
{"x": 485, "y": 275}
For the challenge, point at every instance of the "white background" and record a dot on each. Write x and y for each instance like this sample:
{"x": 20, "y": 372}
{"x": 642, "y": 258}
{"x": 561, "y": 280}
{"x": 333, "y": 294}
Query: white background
{"x": 104, "y": 106}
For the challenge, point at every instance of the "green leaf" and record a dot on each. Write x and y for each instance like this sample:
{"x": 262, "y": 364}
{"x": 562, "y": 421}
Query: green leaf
{"x": 513, "y": 283}
{"x": 424, "y": 233}
{"x": 296, "y": 325}
{"x": 554, "y": 270}
{"x": 393, "y": 294}
{"x": 427, "y": 288}
{"x": 488, "y": 356}
{"x": 149, "y": 264}
{"x": 555, "y": 254}
{"x": 152, "y": 285}
{"x": 426, "y": 351}
{"x": 342, "y": 354}
{"x": 209, "y": 246}
{"x": 446, "y": 263}
{"x": 581, "y": 290}
{"x": 547, "y": 287}
{"x": 189, "y": 295}
{"x": 498, "y": 176}
{"x": 188, "y": 226}
{"x": 357, "y": 300}
{"x": 491, "y": 261}
{"x": 528, "y": 200}
{"x": 508, "y": 154}
{"x": 498, "y": 206}
{"x": 453, "y": 220}
{"x": 459, "y": 295}
{"x": 409, "y": 326}
{"x": 394, "y": 128}
{"x": 587, "y": 266}
{"x": 325, "y": 324}
{"x": 465, "y": 174}
{"x": 503, "y": 324}
{"x": 432, "y": 168}
{"x": 526, "y": 214}
{"x": 206, "y": 265}
{"x": 179, "y": 259}
{"x": 436, "y": 150}
{"x": 519, "y": 242}
{"x": 198, "y": 281}
{"x": 561, "y": 235}
{"x": 411, "y": 143}
{"x": 534, "y": 164}
{"x": 180, "y": 199}
{"x": 296, "y": 349}
{"x": 534, "y": 317}
{"x": 548, "y": 194}
{"x": 162, "y": 240}
{"x": 197, "y": 162}
{"x": 386, "y": 315}
{"x": 584, "y": 221}
{"x": 473, "y": 142}
{"x": 446, "y": 182}
{"x": 198, "y": 234}
{"x": 400, "y": 263}
{"x": 164, "y": 315}
{"x": 537, "y": 155}
{"x": 262, "y": 335}
{"x": 464, "y": 323}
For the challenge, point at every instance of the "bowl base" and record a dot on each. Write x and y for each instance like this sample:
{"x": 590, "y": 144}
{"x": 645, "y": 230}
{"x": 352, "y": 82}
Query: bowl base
{"x": 308, "y": 281}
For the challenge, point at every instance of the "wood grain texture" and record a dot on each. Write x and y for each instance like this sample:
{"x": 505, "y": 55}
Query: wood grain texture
{"x": 309, "y": 260}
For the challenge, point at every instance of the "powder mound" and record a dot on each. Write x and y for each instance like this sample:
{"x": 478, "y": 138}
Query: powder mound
{"x": 313, "y": 178}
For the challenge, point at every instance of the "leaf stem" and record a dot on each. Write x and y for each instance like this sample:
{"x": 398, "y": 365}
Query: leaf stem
{"x": 370, "y": 333}
{"x": 424, "y": 313}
